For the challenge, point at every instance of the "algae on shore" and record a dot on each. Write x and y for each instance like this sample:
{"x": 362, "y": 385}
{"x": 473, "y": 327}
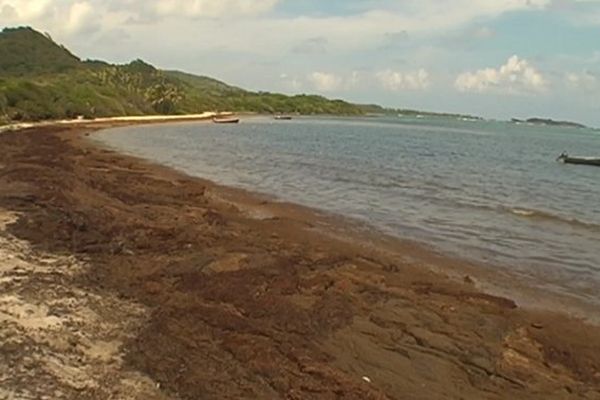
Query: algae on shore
{"x": 131, "y": 279}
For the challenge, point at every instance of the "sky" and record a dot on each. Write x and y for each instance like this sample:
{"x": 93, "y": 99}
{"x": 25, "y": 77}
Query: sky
{"x": 492, "y": 58}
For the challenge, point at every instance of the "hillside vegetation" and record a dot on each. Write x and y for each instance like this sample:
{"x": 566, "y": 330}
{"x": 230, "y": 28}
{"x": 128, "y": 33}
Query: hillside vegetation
{"x": 40, "y": 79}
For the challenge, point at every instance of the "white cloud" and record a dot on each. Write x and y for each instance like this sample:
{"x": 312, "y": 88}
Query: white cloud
{"x": 517, "y": 76}
{"x": 60, "y": 18}
{"x": 389, "y": 80}
{"x": 212, "y": 8}
{"x": 290, "y": 83}
{"x": 25, "y": 10}
{"x": 398, "y": 81}
{"x": 325, "y": 82}
{"x": 71, "y": 17}
{"x": 585, "y": 81}
{"x": 248, "y": 22}
{"x": 332, "y": 82}
{"x": 80, "y": 18}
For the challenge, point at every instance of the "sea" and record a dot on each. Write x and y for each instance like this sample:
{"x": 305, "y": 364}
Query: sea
{"x": 488, "y": 191}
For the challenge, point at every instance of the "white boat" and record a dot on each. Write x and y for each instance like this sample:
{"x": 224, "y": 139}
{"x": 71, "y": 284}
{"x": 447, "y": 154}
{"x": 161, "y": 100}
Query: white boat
{"x": 565, "y": 158}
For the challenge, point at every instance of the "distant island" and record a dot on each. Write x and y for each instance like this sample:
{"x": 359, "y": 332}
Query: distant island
{"x": 549, "y": 122}
{"x": 42, "y": 80}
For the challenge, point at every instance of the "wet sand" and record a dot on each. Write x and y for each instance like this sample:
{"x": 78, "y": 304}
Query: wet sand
{"x": 124, "y": 279}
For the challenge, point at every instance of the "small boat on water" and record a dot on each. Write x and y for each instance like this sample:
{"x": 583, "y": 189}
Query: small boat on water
{"x": 283, "y": 117}
{"x": 226, "y": 120}
{"x": 565, "y": 158}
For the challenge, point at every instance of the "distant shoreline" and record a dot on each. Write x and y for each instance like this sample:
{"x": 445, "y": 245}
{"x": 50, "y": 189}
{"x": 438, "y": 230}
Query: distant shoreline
{"x": 549, "y": 122}
{"x": 108, "y": 120}
{"x": 133, "y": 119}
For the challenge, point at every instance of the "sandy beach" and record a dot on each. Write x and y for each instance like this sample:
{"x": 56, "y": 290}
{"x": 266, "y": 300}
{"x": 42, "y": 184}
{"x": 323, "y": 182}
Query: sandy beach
{"x": 124, "y": 279}
{"x": 132, "y": 119}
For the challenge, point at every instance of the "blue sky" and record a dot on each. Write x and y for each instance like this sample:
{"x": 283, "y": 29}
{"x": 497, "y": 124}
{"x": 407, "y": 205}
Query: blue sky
{"x": 494, "y": 58}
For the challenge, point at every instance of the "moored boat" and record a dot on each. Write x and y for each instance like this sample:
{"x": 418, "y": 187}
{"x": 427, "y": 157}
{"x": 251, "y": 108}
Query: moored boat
{"x": 565, "y": 158}
{"x": 283, "y": 117}
{"x": 226, "y": 120}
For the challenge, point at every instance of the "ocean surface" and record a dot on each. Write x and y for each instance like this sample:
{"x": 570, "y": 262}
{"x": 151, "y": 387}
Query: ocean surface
{"x": 491, "y": 192}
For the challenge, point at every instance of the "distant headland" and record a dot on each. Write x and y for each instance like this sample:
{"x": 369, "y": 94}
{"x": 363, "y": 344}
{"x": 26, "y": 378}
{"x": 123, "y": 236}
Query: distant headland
{"x": 549, "y": 122}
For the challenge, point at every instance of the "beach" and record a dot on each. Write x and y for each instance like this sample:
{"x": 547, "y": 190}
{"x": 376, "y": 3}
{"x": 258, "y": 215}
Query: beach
{"x": 126, "y": 279}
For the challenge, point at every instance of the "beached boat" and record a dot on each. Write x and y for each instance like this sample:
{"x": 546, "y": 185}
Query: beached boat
{"x": 226, "y": 120}
{"x": 565, "y": 158}
{"x": 283, "y": 117}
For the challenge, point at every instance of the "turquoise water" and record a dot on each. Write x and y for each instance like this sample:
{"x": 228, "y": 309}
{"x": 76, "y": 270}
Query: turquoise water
{"x": 488, "y": 191}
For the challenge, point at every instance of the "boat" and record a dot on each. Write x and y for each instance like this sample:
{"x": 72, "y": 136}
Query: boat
{"x": 226, "y": 120}
{"x": 565, "y": 158}
{"x": 283, "y": 117}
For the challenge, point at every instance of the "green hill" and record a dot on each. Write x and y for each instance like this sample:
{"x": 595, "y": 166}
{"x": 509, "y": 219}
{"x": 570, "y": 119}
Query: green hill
{"x": 26, "y": 52}
{"x": 40, "y": 79}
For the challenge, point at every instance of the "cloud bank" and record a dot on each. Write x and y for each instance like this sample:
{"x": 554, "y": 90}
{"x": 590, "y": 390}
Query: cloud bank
{"x": 211, "y": 8}
{"x": 325, "y": 82}
{"x": 373, "y": 20}
{"x": 517, "y": 76}
{"x": 396, "y": 81}
{"x": 586, "y": 81}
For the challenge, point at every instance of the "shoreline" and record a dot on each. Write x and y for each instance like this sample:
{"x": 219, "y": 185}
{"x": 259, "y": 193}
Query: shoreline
{"x": 492, "y": 278}
{"x": 257, "y": 295}
{"x": 109, "y": 121}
